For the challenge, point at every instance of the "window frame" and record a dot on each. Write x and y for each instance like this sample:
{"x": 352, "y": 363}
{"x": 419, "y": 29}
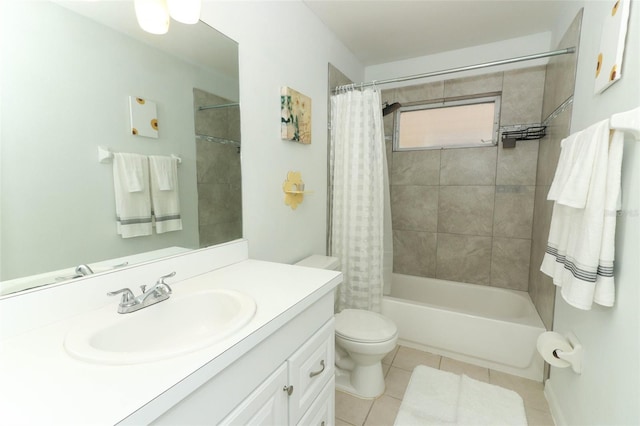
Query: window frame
{"x": 446, "y": 103}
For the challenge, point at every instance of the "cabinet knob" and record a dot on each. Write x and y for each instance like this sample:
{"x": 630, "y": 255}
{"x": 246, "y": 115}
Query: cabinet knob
{"x": 288, "y": 389}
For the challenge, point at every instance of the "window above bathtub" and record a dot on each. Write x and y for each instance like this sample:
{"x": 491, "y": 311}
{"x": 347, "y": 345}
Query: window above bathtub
{"x": 458, "y": 123}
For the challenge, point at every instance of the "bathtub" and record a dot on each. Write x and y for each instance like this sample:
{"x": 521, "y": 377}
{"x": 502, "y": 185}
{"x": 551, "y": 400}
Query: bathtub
{"x": 487, "y": 326}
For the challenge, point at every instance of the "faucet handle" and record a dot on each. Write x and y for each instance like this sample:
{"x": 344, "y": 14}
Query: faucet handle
{"x": 127, "y": 295}
{"x": 164, "y": 277}
{"x": 161, "y": 282}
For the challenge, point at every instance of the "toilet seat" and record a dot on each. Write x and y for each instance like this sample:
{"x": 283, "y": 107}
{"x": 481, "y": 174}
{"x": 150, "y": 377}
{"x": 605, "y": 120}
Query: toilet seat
{"x": 358, "y": 325}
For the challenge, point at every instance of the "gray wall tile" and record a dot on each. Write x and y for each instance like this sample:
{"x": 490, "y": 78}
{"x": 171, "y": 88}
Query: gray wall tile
{"x": 518, "y": 166}
{"x": 549, "y": 151}
{"x": 464, "y": 258}
{"x": 487, "y": 83}
{"x": 510, "y": 263}
{"x": 414, "y": 253}
{"x": 416, "y": 93}
{"x": 513, "y": 216}
{"x": 466, "y": 210}
{"x": 416, "y": 208}
{"x": 522, "y": 93}
{"x": 561, "y": 70}
{"x": 559, "y": 86}
{"x": 468, "y": 166}
{"x": 416, "y": 168}
{"x": 471, "y": 209}
{"x": 541, "y": 288}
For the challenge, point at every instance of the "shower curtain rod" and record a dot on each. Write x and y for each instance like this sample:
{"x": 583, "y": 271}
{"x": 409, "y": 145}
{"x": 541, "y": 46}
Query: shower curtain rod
{"x": 458, "y": 69}
{"x": 202, "y": 108}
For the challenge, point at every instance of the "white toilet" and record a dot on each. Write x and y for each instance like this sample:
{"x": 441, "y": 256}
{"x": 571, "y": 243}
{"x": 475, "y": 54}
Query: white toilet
{"x": 363, "y": 339}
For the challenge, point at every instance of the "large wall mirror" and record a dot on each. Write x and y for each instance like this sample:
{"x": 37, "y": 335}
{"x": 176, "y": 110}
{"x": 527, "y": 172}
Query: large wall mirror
{"x": 68, "y": 70}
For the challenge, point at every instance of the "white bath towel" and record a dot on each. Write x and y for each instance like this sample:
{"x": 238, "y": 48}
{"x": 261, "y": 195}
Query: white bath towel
{"x": 164, "y": 193}
{"x": 132, "y": 195}
{"x": 434, "y": 397}
{"x": 580, "y": 250}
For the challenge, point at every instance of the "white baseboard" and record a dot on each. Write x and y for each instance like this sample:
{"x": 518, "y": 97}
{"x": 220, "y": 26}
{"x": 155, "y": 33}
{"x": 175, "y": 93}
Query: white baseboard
{"x": 554, "y": 405}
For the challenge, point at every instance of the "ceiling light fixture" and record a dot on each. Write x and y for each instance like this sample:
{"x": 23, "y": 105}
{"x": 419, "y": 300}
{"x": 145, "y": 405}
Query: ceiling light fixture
{"x": 185, "y": 11}
{"x": 154, "y": 15}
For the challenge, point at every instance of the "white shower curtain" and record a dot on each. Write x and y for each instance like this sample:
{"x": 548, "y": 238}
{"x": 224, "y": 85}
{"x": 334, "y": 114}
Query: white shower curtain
{"x": 357, "y": 167}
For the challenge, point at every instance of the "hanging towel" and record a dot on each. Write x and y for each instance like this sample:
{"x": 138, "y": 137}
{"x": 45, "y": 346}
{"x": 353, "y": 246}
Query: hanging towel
{"x": 132, "y": 195}
{"x": 580, "y": 250}
{"x": 164, "y": 193}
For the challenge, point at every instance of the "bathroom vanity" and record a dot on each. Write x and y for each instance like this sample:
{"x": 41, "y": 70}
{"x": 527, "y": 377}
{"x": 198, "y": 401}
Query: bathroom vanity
{"x": 278, "y": 367}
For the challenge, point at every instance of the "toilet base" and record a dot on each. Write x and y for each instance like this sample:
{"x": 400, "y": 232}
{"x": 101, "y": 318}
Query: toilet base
{"x": 366, "y": 382}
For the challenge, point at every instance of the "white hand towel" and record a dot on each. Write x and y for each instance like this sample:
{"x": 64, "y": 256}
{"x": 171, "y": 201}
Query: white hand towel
{"x": 131, "y": 170}
{"x": 579, "y": 157}
{"x": 163, "y": 173}
{"x": 166, "y": 202}
{"x": 133, "y": 200}
{"x": 580, "y": 251}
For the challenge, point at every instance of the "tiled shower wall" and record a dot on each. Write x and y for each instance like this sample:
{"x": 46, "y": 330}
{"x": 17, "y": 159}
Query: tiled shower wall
{"x": 218, "y": 169}
{"x": 467, "y": 214}
{"x": 559, "y": 85}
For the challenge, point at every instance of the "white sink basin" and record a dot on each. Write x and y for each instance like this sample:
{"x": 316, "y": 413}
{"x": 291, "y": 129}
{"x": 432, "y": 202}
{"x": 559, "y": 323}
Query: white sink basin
{"x": 181, "y": 324}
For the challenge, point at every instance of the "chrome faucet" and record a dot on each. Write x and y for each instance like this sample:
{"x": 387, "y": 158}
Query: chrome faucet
{"x": 157, "y": 293}
{"x": 83, "y": 270}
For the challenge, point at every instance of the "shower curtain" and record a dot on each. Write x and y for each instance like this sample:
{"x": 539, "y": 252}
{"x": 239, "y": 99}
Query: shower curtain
{"x": 357, "y": 168}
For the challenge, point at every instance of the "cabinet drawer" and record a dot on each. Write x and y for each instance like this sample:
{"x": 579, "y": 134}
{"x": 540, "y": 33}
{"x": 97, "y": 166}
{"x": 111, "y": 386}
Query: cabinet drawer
{"x": 322, "y": 412}
{"x": 310, "y": 368}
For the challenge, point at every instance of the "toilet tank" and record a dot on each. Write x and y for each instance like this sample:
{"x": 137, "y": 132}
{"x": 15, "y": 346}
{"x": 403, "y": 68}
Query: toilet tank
{"x": 320, "y": 262}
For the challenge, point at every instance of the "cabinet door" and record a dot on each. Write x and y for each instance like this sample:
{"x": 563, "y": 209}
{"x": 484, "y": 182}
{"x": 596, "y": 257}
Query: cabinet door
{"x": 310, "y": 368}
{"x": 267, "y": 405}
{"x": 322, "y": 411}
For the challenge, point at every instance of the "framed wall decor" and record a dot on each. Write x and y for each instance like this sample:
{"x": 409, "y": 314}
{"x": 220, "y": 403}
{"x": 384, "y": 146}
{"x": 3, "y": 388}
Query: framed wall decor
{"x": 611, "y": 53}
{"x": 144, "y": 117}
{"x": 295, "y": 117}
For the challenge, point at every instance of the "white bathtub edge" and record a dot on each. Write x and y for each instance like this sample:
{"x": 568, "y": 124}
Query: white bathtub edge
{"x": 535, "y": 371}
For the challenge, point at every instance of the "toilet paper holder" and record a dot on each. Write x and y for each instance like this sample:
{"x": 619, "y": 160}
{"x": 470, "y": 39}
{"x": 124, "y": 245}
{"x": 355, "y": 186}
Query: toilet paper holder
{"x": 573, "y": 357}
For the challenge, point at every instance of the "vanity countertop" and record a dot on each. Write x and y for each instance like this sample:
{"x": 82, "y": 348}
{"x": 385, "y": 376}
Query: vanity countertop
{"x": 41, "y": 384}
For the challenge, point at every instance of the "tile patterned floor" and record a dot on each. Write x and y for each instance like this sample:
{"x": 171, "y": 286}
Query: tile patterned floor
{"x": 398, "y": 365}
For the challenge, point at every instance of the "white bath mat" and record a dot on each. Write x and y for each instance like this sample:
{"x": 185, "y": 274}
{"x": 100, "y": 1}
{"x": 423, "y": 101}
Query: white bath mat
{"x": 435, "y": 397}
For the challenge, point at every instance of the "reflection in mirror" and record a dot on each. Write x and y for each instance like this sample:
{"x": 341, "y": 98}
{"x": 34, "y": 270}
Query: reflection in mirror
{"x": 66, "y": 80}
{"x": 217, "y": 122}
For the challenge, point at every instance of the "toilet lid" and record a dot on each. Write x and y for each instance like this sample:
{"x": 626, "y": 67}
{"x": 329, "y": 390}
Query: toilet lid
{"x": 364, "y": 326}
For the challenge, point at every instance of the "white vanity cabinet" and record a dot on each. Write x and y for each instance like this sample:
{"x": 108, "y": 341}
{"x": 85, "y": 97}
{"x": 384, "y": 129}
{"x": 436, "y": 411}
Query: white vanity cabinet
{"x": 303, "y": 384}
{"x": 241, "y": 379}
{"x": 288, "y": 379}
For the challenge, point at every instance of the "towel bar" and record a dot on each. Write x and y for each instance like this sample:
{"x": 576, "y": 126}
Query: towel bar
{"x": 105, "y": 155}
{"x": 628, "y": 121}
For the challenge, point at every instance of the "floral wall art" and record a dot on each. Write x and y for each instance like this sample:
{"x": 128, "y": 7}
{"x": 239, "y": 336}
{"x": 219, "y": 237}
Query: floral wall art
{"x": 295, "y": 118}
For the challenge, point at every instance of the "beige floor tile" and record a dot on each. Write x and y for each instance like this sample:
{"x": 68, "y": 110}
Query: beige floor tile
{"x": 539, "y": 417}
{"x": 408, "y": 359}
{"x": 532, "y": 392}
{"x": 384, "y": 411}
{"x": 342, "y": 423}
{"x": 470, "y": 370}
{"x": 388, "y": 359}
{"x": 396, "y": 382}
{"x": 385, "y": 369}
{"x": 351, "y": 409}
